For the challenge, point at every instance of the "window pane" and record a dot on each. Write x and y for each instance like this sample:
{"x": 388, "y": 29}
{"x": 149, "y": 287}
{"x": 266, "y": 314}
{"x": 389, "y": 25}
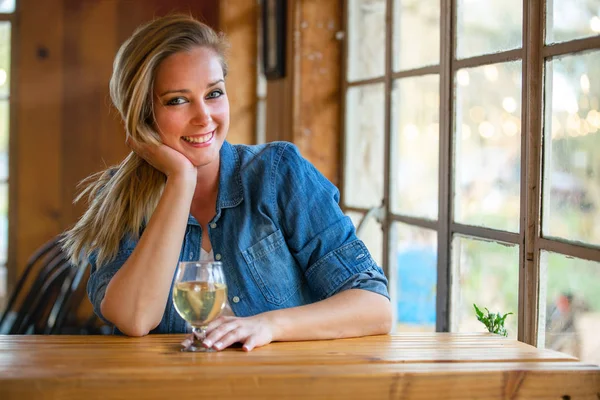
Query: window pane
{"x": 570, "y": 306}
{"x": 371, "y": 234}
{"x": 571, "y": 186}
{"x": 261, "y": 121}
{"x": 3, "y": 287}
{"x": 486, "y": 274}
{"x": 366, "y": 39}
{"x": 415, "y": 126}
{"x": 488, "y": 146}
{"x": 3, "y": 223}
{"x": 488, "y": 26}
{"x": 4, "y": 58}
{"x": 4, "y": 126}
{"x": 413, "y": 276}
{"x": 571, "y": 19}
{"x": 363, "y": 180}
{"x": 3, "y": 243}
{"x": 7, "y": 6}
{"x": 416, "y": 19}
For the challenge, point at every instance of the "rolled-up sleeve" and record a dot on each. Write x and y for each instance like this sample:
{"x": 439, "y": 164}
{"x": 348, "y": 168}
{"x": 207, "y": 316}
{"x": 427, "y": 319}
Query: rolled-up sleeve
{"x": 321, "y": 238}
{"x": 372, "y": 279}
{"x": 100, "y": 277}
{"x": 348, "y": 267}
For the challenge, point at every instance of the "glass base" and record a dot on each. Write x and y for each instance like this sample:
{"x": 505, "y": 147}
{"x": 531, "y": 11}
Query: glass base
{"x": 198, "y": 349}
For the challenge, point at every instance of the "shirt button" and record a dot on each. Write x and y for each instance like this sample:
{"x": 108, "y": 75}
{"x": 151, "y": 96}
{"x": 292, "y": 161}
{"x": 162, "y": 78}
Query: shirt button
{"x": 213, "y": 225}
{"x": 217, "y": 257}
{"x": 236, "y": 299}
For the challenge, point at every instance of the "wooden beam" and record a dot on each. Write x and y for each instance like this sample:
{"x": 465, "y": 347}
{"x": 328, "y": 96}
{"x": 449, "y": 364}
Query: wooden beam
{"x": 304, "y": 106}
{"x": 317, "y": 60}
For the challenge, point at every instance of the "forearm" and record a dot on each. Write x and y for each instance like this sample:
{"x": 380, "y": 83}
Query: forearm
{"x": 351, "y": 313}
{"x": 136, "y": 296}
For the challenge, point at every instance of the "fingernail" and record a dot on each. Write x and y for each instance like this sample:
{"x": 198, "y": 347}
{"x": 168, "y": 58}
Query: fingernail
{"x": 207, "y": 343}
{"x": 218, "y": 345}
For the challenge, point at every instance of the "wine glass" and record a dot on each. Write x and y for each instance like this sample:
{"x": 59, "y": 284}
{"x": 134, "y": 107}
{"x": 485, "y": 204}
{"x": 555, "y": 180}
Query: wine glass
{"x": 199, "y": 295}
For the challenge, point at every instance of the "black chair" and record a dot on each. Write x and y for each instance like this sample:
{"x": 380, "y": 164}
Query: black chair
{"x": 45, "y": 306}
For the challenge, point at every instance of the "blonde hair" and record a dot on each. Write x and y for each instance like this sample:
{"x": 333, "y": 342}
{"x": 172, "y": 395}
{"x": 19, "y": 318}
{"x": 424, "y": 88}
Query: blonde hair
{"x": 122, "y": 198}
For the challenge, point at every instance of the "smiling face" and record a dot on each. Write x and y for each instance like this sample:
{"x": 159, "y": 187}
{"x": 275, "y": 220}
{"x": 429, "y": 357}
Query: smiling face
{"x": 191, "y": 109}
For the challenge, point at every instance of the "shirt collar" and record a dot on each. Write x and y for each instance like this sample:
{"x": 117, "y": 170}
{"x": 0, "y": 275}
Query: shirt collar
{"x": 230, "y": 181}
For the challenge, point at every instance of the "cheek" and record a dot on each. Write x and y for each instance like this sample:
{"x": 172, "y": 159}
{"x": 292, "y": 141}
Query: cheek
{"x": 221, "y": 111}
{"x": 168, "y": 123}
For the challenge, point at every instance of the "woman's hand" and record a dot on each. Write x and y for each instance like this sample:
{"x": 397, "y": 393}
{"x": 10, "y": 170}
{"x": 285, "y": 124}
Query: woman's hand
{"x": 164, "y": 158}
{"x": 252, "y": 332}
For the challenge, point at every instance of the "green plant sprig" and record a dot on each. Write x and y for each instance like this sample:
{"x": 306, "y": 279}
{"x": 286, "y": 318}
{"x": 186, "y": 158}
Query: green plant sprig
{"x": 493, "y": 322}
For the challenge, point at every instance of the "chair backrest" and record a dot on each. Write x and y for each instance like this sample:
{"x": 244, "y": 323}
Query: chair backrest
{"x": 34, "y": 311}
{"x": 47, "y": 251}
{"x": 66, "y": 301}
{"x": 44, "y": 307}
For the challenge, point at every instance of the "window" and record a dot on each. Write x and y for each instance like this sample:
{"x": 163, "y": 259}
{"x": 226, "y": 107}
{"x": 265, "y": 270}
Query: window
{"x": 471, "y": 142}
{"x": 7, "y": 8}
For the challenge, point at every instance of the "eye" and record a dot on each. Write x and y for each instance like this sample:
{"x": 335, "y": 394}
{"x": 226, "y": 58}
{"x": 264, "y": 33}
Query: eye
{"x": 176, "y": 101}
{"x": 215, "y": 94}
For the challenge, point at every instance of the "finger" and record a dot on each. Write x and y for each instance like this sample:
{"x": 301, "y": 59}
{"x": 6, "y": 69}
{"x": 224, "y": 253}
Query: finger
{"x": 237, "y": 335}
{"x": 214, "y": 324}
{"x": 218, "y": 322}
{"x": 187, "y": 342}
{"x": 144, "y": 150}
{"x": 219, "y": 332}
{"x": 249, "y": 344}
{"x": 197, "y": 334}
{"x": 134, "y": 145}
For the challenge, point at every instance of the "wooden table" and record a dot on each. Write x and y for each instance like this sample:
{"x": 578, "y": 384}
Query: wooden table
{"x": 398, "y": 366}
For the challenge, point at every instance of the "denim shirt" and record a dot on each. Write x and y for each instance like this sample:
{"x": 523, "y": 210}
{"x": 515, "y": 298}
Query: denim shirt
{"x": 278, "y": 231}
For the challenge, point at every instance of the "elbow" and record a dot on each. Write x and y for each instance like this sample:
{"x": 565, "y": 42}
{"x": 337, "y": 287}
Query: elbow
{"x": 385, "y": 323}
{"x": 135, "y": 326}
{"x": 134, "y": 330}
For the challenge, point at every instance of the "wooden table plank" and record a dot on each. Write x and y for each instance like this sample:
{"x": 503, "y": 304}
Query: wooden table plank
{"x": 391, "y": 366}
{"x": 383, "y": 349}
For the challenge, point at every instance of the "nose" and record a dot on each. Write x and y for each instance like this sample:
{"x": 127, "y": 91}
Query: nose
{"x": 201, "y": 114}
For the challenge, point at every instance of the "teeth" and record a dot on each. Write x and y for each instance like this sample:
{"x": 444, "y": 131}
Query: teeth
{"x": 198, "y": 139}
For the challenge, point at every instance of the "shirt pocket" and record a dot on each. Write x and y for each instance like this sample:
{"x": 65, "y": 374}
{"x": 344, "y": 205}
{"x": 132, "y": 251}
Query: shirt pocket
{"x": 273, "y": 268}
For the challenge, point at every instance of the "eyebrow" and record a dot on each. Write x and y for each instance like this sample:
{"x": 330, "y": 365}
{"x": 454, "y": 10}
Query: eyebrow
{"x": 187, "y": 90}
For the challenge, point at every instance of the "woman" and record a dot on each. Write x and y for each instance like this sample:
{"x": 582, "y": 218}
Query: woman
{"x": 294, "y": 267}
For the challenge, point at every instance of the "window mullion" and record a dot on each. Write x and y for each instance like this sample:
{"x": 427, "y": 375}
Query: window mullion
{"x": 531, "y": 162}
{"x": 387, "y": 222}
{"x": 447, "y": 46}
{"x": 343, "y": 108}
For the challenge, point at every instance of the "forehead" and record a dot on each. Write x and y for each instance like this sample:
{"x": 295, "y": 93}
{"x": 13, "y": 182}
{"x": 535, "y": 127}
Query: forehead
{"x": 200, "y": 65}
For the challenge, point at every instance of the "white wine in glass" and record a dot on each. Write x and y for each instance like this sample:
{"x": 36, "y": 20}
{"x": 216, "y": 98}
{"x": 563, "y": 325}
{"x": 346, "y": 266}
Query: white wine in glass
{"x": 199, "y": 295}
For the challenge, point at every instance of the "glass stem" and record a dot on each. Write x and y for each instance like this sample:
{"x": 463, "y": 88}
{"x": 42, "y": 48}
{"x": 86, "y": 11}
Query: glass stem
{"x": 199, "y": 335}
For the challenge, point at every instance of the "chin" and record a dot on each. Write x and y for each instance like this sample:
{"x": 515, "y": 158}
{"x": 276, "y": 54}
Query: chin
{"x": 203, "y": 161}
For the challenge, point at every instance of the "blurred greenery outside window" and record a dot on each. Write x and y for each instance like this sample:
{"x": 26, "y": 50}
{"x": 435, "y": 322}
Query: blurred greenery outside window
{"x": 486, "y": 202}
